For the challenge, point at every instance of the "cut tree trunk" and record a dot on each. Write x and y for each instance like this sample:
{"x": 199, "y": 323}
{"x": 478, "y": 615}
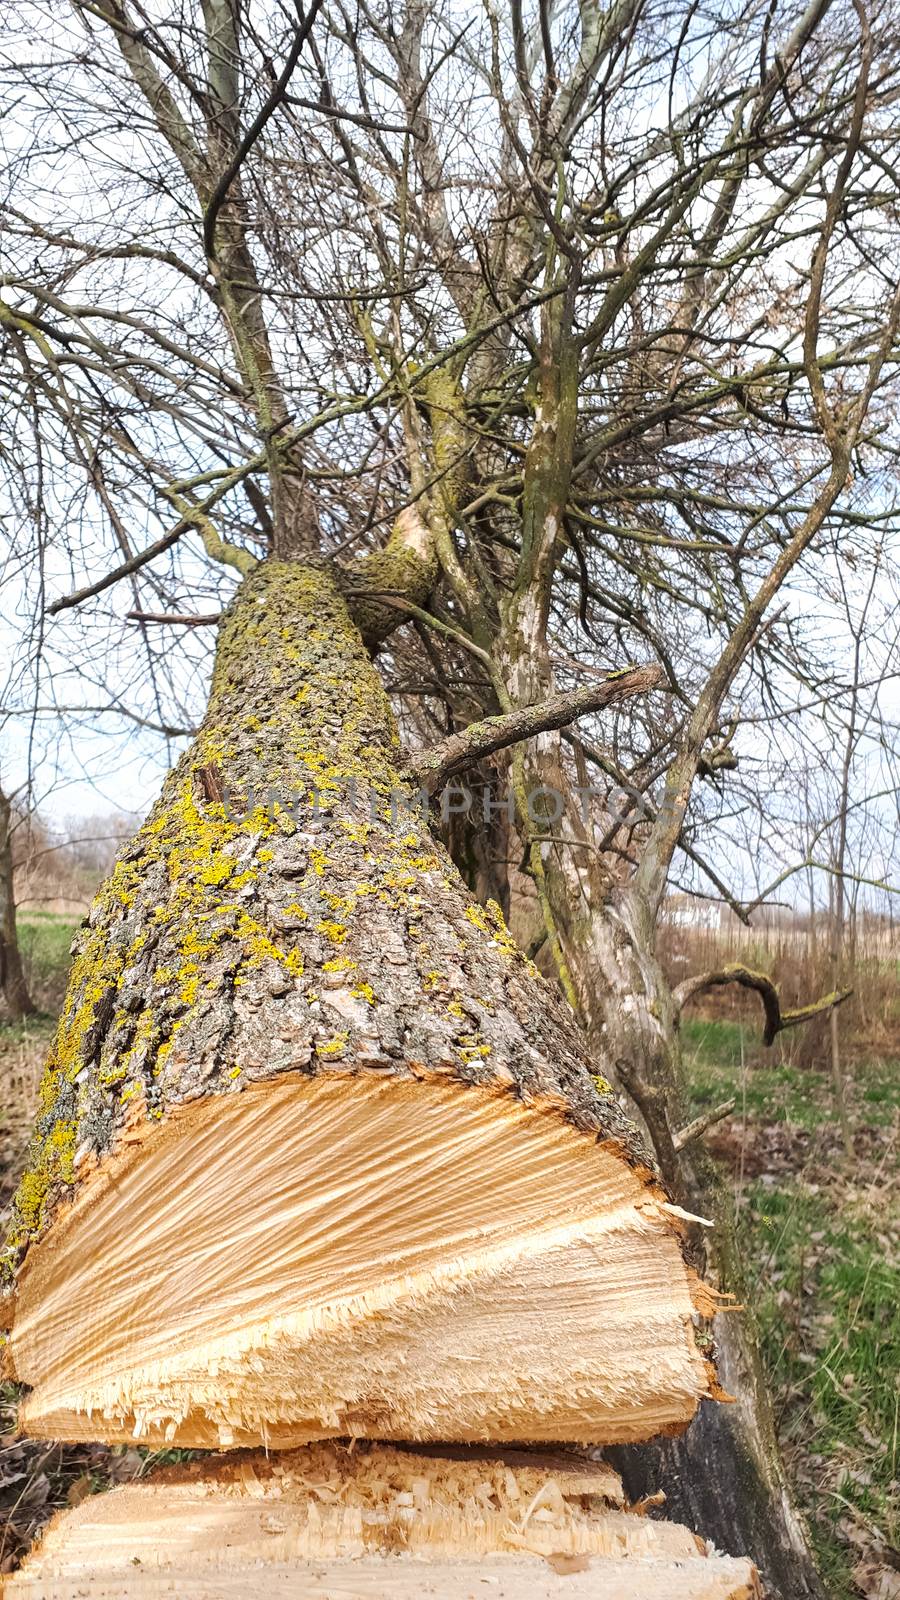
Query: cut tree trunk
{"x": 319, "y": 1153}
{"x": 375, "y": 1524}
{"x": 725, "y": 1474}
{"x": 15, "y": 1000}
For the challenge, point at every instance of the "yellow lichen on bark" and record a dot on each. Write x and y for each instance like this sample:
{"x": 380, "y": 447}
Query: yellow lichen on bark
{"x": 285, "y": 908}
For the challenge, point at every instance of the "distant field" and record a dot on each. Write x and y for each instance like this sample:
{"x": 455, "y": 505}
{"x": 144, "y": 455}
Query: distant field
{"x": 44, "y": 940}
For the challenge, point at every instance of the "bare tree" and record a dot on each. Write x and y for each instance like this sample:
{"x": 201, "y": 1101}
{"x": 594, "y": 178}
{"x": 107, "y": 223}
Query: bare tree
{"x": 594, "y": 311}
{"x": 862, "y": 721}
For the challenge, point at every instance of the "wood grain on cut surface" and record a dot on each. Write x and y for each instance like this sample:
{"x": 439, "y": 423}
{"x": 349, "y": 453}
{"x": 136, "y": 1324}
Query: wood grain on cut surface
{"x": 394, "y": 1260}
{"x": 364, "y": 1522}
{"x": 492, "y": 1578}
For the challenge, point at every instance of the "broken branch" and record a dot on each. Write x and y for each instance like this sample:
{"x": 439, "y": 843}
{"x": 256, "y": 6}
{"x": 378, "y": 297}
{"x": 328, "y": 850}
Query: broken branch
{"x": 435, "y": 767}
{"x": 700, "y": 1125}
{"x": 776, "y": 1019}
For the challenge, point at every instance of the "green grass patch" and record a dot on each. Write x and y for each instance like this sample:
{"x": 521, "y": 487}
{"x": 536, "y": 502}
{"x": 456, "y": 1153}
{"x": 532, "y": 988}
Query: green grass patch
{"x": 44, "y": 940}
{"x": 879, "y": 1087}
{"x": 728, "y": 1058}
{"x": 821, "y": 1243}
{"x": 827, "y": 1301}
{"x": 714, "y": 1042}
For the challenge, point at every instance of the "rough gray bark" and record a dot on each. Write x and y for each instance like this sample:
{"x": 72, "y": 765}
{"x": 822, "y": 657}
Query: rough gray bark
{"x": 15, "y": 999}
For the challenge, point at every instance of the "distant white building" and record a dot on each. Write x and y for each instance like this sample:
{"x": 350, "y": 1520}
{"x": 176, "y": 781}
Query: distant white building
{"x": 691, "y": 911}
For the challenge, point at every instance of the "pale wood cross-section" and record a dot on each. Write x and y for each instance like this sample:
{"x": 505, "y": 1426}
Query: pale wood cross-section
{"x": 375, "y": 1523}
{"x": 350, "y": 1256}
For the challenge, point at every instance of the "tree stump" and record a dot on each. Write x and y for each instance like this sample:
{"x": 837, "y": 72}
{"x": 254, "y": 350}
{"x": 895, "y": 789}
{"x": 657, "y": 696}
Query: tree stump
{"x": 375, "y": 1523}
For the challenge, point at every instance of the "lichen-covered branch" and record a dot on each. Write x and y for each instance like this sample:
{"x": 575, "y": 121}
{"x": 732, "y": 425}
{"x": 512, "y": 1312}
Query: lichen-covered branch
{"x": 218, "y": 549}
{"x": 777, "y": 1021}
{"x": 435, "y": 767}
{"x": 406, "y": 567}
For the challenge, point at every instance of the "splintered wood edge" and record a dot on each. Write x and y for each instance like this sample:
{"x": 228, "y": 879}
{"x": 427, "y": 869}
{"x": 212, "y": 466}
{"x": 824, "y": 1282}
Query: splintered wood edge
{"x": 366, "y": 1234}
{"x": 375, "y": 1521}
{"x": 614, "y": 1133}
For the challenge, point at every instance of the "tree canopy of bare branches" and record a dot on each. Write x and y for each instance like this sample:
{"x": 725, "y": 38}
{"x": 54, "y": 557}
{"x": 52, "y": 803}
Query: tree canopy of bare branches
{"x": 593, "y": 310}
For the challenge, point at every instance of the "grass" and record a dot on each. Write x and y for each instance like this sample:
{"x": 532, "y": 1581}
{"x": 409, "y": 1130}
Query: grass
{"x": 723, "y": 1058}
{"x": 44, "y": 940}
{"x": 821, "y": 1242}
{"x": 828, "y": 1304}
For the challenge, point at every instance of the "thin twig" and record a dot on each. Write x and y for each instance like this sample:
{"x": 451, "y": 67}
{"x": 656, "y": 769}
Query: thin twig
{"x": 176, "y": 618}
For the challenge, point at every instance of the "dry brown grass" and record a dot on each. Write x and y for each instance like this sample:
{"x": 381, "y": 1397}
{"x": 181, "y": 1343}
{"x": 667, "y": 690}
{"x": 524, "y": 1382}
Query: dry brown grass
{"x": 799, "y": 964}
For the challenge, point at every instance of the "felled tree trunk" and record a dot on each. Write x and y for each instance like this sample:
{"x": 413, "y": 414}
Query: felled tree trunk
{"x": 319, "y": 1153}
{"x": 376, "y": 1524}
{"x": 15, "y": 1000}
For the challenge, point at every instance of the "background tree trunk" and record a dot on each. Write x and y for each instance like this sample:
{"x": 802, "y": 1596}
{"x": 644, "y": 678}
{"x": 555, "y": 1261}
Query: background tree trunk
{"x": 724, "y": 1476}
{"x": 15, "y": 1000}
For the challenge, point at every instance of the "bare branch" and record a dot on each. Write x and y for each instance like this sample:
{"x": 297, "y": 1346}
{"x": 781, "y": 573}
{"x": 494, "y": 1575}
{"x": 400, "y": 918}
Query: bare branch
{"x": 220, "y": 193}
{"x": 437, "y": 766}
{"x": 191, "y": 517}
{"x": 777, "y": 1021}
{"x": 133, "y": 564}
{"x": 175, "y": 618}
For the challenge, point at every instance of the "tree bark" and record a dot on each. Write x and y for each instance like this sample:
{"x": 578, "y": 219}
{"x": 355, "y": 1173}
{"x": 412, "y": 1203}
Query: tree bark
{"x": 15, "y": 999}
{"x": 314, "y": 1134}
